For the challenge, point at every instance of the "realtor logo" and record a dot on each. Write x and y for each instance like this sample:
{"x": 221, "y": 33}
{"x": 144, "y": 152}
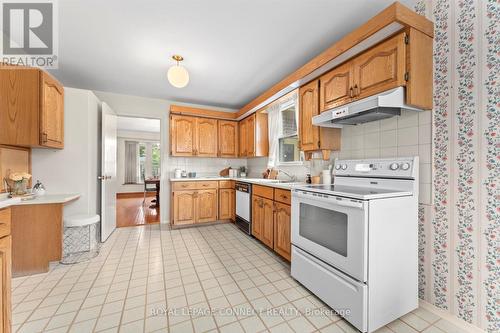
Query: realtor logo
{"x": 29, "y": 35}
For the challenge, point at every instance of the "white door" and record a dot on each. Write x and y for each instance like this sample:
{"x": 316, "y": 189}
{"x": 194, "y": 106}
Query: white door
{"x": 108, "y": 173}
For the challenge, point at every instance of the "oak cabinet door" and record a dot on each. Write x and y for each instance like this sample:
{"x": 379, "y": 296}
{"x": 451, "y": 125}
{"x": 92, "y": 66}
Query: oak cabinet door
{"x": 5, "y": 282}
{"x": 228, "y": 138}
{"x": 233, "y": 205}
{"x": 268, "y": 222}
{"x": 51, "y": 112}
{"x": 206, "y": 137}
{"x": 184, "y": 207}
{"x": 308, "y": 108}
{"x": 250, "y": 135}
{"x": 336, "y": 87}
{"x": 182, "y": 135}
{"x": 282, "y": 236}
{"x": 243, "y": 138}
{"x": 226, "y": 204}
{"x": 380, "y": 68}
{"x": 257, "y": 216}
{"x": 206, "y": 206}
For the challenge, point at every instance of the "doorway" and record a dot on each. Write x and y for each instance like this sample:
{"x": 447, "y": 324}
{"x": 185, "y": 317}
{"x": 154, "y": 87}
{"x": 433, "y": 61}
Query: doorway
{"x": 138, "y": 171}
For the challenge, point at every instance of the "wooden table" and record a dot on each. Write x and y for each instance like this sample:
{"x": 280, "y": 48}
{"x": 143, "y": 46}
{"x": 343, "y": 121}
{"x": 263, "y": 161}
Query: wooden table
{"x": 156, "y": 182}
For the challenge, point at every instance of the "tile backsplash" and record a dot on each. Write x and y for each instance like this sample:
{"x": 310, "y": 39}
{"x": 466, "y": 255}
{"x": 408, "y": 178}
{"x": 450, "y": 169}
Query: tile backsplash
{"x": 406, "y": 135}
{"x": 203, "y": 166}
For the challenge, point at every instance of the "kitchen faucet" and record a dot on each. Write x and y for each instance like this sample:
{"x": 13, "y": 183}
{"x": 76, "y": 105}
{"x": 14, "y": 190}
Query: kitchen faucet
{"x": 293, "y": 178}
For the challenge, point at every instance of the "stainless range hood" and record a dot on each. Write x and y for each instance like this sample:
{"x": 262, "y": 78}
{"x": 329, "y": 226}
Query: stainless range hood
{"x": 381, "y": 106}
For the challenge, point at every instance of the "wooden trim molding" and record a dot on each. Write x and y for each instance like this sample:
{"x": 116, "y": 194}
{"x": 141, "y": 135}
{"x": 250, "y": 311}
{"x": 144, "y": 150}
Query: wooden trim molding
{"x": 394, "y": 14}
{"x": 190, "y": 111}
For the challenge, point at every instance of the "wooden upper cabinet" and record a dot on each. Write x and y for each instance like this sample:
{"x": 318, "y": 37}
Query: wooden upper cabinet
{"x": 254, "y": 137}
{"x": 51, "y": 112}
{"x": 313, "y": 137}
{"x": 336, "y": 87}
{"x": 282, "y": 230}
{"x": 228, "y": 138}
{"x": 206, "y": 205}
{"x": 206, "y": 137}
{"x": 243, "y": 138}
{"x": 31, "y": 108}
{"x": 182, "y": 135}
{"x": 184, "y": 208}
{"x": 380, "y": 68}
{"x": 308, "y": 108}
{"x": 250, "y": 146}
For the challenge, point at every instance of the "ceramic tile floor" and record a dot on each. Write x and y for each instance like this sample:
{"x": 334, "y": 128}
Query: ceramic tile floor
{"x": 212, "y": 278}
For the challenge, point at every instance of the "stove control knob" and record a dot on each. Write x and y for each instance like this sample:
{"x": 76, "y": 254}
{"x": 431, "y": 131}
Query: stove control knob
{"x": 344, "y": 166}
{"x": 405, "y": 166}
{"x": 394, "y": 166}
{"x": 337, "y": 167}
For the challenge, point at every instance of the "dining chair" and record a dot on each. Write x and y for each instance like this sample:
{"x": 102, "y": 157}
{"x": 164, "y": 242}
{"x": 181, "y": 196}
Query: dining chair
{"x": 148, "y": 189}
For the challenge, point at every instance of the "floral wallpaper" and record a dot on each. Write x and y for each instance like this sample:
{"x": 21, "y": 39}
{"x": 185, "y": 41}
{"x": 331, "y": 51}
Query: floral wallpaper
{"x": 459, "y": 261}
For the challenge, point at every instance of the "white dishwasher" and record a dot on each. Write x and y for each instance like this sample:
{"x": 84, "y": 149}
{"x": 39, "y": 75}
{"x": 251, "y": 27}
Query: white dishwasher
{"x": 243, "y": 207}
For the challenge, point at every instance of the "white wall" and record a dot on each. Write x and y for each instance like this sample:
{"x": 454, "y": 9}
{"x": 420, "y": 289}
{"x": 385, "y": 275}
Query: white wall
{"x": 75, "y": 168}
{"x": 135, "y": 106}
{"x": 120, "y": 157}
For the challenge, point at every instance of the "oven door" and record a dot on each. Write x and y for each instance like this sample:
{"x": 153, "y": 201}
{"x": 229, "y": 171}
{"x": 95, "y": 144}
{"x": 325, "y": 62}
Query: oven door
{"x": 333, "y": 229}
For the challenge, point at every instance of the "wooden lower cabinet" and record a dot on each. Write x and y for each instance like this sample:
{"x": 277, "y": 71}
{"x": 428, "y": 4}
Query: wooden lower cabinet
{"x": 184, "y": 207}
{"x": 262, "y": 220}
{"x": 5, "y": 282}
{"x": 271, "y": 224}
{"x": 5, "y": 270}
{"x": 227, "y": 205}
{"x": 196, "y": 202}
{"x": 282, "y": 230}
{"x": 206, "y": 206}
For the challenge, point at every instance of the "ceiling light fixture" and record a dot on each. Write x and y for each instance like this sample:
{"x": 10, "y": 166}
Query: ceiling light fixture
{"x": 177, "y": 75}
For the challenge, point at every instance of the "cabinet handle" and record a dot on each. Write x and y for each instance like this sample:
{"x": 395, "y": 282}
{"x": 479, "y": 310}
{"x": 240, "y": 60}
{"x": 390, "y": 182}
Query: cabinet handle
{"x": 44, "y": 137}
{"x": 351, "y": 92}
{"x": 356, "y": 90}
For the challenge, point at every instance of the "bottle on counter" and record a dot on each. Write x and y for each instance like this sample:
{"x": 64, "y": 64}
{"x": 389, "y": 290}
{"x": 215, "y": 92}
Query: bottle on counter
{"x": 308, "y": 178}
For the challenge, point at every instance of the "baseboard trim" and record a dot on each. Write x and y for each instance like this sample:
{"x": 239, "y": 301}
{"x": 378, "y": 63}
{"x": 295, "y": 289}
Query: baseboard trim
{"x": 460, "y": 323}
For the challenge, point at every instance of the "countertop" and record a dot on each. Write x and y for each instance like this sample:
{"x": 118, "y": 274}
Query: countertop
{"x": 5, "y": 201}
{"x": 257, "y": 181}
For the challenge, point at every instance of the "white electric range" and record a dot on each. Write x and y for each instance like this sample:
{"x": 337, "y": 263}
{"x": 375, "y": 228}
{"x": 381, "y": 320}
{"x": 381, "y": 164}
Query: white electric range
{"x": 354, "y": 243}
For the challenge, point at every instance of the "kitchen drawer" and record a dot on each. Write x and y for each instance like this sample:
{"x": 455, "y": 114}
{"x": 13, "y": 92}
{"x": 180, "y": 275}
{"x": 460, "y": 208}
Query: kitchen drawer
{"x": 226, "y": 184}
{"x": 336, "y": 289}
{"x": 200, "y": 185}
{"x": 283, "y": 196}
{"x": 4, "y": 222}
{"x": 263, "y": 191}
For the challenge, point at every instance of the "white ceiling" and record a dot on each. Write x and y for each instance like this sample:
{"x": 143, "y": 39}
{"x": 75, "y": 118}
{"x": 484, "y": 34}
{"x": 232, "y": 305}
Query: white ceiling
{"x": 138, "y": 124}
{"x": 234, "y": 49}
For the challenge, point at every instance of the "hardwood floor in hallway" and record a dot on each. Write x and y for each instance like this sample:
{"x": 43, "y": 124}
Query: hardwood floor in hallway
{"x": 131, "y": 212}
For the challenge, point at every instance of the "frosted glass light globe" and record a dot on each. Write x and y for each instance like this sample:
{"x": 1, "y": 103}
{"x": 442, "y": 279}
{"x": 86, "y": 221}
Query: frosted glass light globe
{"x": 178, "y": 76}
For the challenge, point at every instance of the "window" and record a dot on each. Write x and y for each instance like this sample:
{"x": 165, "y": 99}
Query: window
{"x": 142, "y": 160}
{"x": 288, "y": 140}
{"x": 155, "y": 160}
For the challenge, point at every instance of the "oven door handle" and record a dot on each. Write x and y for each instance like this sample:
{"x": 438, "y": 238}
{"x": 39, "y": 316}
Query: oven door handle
{"x": 333, "y": 200}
